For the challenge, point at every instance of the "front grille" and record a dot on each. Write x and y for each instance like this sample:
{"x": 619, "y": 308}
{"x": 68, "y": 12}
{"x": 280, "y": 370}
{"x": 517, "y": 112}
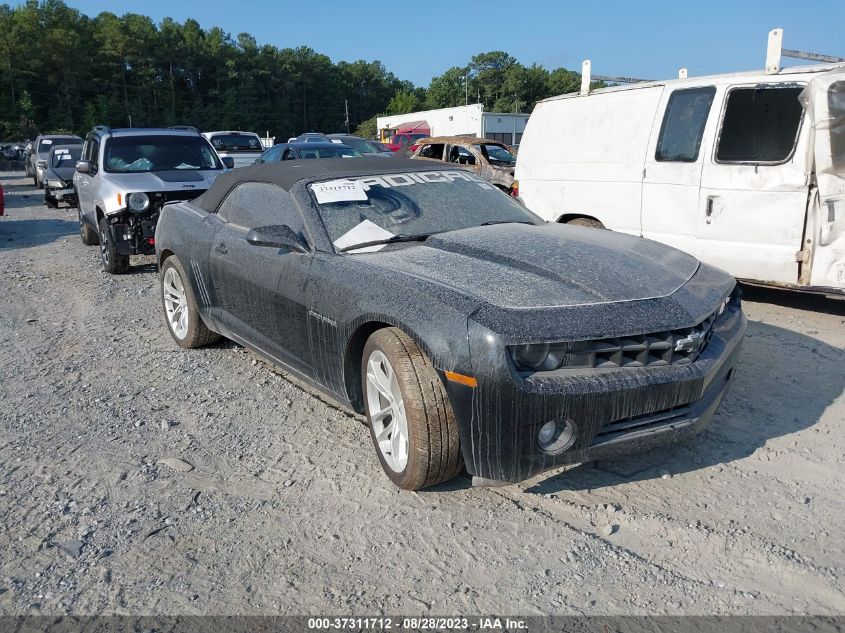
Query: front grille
{"x": 673, "y": 347}
{"x": 623, "y": 429}
{"x": 173, "y": 196}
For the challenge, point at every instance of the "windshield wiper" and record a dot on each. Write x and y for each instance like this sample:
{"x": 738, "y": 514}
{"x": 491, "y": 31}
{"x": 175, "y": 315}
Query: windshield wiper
{"x": 492, "y": 222}
{"x": 422, "y": 237}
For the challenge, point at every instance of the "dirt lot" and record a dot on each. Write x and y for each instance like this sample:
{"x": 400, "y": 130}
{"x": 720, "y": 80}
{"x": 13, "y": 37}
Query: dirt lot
{"x": 286, "y": 509}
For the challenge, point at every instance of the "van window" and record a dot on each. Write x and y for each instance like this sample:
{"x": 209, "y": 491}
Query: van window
{"x": 760, "y": 125}
{"x": 683, "y": 124}
{"x": 836, "y": 111}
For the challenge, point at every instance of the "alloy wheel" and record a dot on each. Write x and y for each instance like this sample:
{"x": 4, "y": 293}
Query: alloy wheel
{"x": 175, "y": 303}
{"x": 387, "y": 412}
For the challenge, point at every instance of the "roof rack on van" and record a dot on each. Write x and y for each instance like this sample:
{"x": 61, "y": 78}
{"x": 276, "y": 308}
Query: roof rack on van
{"x": 587, "y": 78}
{"x": 775, "y": 51}
{"x": 103, "y": 128}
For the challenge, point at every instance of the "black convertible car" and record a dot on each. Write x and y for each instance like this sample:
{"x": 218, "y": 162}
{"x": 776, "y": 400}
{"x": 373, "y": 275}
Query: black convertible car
{"x": 469, "y": 332}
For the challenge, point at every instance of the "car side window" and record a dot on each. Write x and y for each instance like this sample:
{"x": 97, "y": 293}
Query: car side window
{"x": 760, "y": 124}
{"x": 272, "y": 155}
{"x": 434, "y": 150}
{"x": 683, "y": 125}
{"x": 289, "y": 155}
{"x": 228, "y": 204}
{"x": 461, "y": 155}
{"x": 91, "y": 152}
{"x": 264, "y": 204}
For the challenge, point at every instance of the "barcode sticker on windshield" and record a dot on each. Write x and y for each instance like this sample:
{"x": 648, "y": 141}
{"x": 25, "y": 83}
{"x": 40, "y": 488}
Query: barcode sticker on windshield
{"x": 339, "y": 191}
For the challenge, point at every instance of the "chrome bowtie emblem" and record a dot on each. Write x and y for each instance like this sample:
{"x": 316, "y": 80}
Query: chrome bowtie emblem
{"x": 690, "y": 343}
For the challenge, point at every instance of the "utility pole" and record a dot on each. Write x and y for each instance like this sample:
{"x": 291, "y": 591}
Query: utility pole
{"x": 346, "y": 110}
{"x": 466, "y": 88}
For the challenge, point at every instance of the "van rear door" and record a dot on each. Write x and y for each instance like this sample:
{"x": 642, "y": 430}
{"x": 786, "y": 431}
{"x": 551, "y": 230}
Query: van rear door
{"x": 824, "y": 101}
{"x": 755, "y": 185}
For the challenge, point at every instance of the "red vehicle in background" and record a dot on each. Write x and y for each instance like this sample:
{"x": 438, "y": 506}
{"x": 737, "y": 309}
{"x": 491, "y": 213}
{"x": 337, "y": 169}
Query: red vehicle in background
{"x": 404, "y": 140}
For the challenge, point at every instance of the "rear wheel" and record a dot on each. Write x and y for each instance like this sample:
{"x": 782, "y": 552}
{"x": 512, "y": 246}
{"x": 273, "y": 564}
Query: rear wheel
{"x": 411, "y": 421}
{"x": 180, "y": 307}
{"x": 89, "y": 235}
{"x": 588, "y": 222}
{"x": 113, "y": 262}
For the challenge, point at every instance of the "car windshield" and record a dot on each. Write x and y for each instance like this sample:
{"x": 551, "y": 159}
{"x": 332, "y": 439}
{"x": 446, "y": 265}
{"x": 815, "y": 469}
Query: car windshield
{"x": 46, "y": 144}
{"x": 66, "y": 156}
{"x": 359, "y": 145}
{"x": 420, "y": 203}
{"x": 380, "y": 147}
{"x": 327, "y": 152}
{"x": 236, "y": 143}
{"x": 159, "y": 153}
{"x": 496, "y": 154}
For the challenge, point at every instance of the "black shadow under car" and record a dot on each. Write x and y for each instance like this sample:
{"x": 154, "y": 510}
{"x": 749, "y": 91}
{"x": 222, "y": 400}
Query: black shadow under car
{"x": 471, "y": 333}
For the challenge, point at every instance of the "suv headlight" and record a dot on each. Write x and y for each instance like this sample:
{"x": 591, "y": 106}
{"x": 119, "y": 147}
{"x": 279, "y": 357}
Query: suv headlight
{"x": 137, "y": 201}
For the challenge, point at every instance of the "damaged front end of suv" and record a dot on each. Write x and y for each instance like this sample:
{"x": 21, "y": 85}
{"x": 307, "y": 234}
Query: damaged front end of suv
{"x": 128, "y": 175}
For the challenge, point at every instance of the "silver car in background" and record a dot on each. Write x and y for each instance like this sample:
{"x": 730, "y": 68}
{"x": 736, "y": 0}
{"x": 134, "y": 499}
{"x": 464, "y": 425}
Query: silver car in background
{"x": 242, "y": 147}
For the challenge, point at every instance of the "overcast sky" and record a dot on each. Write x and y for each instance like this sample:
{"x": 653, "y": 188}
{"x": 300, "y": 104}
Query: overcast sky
{"x": 649, "y": 39}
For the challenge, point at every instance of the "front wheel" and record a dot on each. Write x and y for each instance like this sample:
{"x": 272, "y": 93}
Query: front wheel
{"x": 180, "y": 307}
{"x": 411, "y": 421}
{"x": 113, "y": 262}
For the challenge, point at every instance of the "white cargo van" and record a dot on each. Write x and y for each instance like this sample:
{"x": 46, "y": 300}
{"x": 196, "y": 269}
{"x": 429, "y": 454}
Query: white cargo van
{"x": 745, "y": 171}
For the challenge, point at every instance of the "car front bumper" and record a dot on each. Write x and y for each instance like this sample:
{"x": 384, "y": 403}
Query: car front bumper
{"x": 63, "y": 195}
{"x": 613, "y": 412}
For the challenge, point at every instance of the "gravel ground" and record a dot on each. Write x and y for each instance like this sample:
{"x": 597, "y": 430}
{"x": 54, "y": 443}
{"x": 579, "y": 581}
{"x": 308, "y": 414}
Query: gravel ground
{"x": 137, "y": 478}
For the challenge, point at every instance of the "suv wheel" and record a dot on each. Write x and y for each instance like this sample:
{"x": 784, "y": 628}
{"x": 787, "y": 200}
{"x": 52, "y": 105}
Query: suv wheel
{"x": 411, "y": 421}
{"x": 113, "y": 262}
{"x": 88, "y": 234}
{"x": 180, "y": 307}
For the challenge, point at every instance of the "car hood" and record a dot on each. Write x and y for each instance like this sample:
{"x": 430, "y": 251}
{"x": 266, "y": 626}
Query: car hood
{"x": 164, "y": 180}
{"x": 546, "y": 266}
{"x": 64, "y": 173}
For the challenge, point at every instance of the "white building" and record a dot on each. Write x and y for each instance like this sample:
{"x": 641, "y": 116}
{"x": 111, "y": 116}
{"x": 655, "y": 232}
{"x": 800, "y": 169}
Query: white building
{"x": 468, "y": 120}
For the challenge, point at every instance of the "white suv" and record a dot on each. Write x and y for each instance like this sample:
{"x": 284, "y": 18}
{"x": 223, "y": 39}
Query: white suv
{"x": 124, "y": 178}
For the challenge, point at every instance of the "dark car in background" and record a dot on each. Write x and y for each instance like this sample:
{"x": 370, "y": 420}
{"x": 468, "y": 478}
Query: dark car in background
{"x": 306, "y": 150}
{"x": 36, "y": 160}
{"x": 363, "y": 146}
{"x": 58, "y": 175}
{"x": 468, "y": 330}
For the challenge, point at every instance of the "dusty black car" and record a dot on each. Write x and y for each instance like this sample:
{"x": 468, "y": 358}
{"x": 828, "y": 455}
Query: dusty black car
{"x": 469, "y": 331}
{"x": 58, "y": 175}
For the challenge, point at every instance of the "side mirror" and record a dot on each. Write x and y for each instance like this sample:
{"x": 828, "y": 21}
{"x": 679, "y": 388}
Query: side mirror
{"x": 276, "y": 236}
{"x": 228, "y": 162}
{"x": 83, "y": 167}
{"x": 41, "y": 163}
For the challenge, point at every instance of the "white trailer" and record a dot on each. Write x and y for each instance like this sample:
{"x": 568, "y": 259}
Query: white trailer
{"x": 468, "y": 120}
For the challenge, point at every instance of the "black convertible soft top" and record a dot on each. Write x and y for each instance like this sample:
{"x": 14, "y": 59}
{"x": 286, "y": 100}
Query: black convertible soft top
{"x": 286, "y": 173}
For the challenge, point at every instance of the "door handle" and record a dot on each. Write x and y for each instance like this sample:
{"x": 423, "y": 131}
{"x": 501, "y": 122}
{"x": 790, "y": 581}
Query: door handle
{"x": 708, "y": 211}
{"x": 221, "y": 248}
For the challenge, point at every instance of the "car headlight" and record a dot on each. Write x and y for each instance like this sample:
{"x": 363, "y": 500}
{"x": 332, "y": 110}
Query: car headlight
{"x": 55, "y": 184}
{"x": 137, "y": 201}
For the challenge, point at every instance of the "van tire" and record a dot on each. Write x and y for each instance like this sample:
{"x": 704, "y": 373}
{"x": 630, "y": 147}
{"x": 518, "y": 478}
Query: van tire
{"x": 588, "y": 222}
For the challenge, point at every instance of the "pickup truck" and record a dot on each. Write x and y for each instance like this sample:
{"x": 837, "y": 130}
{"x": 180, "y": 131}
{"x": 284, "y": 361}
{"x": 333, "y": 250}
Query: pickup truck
{"x": 405, "y": 140}
{"x": 243, "y": 147}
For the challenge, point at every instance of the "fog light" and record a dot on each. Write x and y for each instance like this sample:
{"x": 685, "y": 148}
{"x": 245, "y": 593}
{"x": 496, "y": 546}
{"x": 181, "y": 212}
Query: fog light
{"x": 556, "y": 436}
{"x": 547, "y": 433}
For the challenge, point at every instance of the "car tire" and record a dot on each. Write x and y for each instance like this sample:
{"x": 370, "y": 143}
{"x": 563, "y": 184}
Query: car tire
{"x": 35, "y": 181}
{"x": 49, "y": 200}
{"x": 113, "y": 262}
{"x": 179, "y": 302}
{"x": 588, "y": 222}
{"x": 89, "y": 236}
{"x": 423, "y": 449}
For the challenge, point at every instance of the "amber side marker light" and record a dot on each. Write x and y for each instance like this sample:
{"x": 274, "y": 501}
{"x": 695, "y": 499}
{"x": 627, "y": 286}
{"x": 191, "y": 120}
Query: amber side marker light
{"x": 119, "y": 200}
{"x": 469, "y": 381}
